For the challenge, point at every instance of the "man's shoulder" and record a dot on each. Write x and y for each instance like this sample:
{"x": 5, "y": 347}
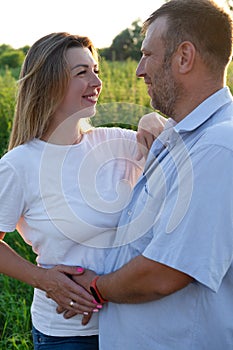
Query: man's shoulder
{"x": 219, "y": 134}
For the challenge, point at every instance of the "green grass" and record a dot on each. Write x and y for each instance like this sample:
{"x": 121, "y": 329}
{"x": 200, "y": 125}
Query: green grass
{"x": 15, "y": 301}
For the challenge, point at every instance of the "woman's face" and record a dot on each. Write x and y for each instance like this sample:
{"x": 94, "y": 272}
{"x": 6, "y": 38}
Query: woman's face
{"x": 84, "y": 87}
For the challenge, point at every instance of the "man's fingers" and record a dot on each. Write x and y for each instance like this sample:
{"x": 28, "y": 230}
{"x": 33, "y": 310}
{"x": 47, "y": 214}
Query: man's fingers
{"x": 60, "y": 309}
{"x": 69, "y": 314}
{"x": 86, "y": 318}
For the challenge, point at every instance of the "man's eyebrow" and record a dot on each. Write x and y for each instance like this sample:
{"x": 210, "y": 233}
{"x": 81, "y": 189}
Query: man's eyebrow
{"x": 80, "y": 65}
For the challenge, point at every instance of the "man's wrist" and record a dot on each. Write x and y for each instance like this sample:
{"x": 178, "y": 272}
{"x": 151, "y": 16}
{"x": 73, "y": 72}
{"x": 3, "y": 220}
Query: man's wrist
{"x": 95, "y": 291}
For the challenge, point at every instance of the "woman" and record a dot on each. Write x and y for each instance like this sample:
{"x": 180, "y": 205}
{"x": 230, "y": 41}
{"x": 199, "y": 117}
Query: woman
{"x": 63, "y": 185}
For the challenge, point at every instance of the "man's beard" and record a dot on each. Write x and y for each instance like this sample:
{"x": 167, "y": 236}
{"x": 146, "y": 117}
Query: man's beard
{"x": 166, "y": 91}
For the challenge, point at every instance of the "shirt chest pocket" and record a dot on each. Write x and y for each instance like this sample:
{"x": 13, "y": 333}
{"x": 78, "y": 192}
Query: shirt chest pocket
{"x": 153, "y": 197}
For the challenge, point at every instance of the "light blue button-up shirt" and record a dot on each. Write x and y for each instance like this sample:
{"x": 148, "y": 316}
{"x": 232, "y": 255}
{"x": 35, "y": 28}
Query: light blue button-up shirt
{"x": 181, "y": 215}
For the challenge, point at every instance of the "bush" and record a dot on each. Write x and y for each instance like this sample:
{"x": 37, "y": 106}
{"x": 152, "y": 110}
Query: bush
{"x": 7, "y": 105}
{"x": 12, "y": 59}
{"x": 15, "y": 301}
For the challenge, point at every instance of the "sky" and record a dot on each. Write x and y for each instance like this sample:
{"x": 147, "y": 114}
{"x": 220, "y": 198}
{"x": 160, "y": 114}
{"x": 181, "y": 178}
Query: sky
{"x": 25, "y": 21}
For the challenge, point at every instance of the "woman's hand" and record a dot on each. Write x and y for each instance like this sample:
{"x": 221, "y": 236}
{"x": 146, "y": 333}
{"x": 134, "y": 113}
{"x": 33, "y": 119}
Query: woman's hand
{"x": 60, "y": 287}
{"x": 149, "y": 128}
{"x": 85, "y": 278}
{"x": 56, "y": 282}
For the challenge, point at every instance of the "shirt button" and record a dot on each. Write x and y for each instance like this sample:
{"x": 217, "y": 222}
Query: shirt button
{"x": 129, "y": 212}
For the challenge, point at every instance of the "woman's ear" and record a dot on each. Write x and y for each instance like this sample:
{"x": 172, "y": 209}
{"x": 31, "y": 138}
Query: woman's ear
{"x": 185, "y": 56}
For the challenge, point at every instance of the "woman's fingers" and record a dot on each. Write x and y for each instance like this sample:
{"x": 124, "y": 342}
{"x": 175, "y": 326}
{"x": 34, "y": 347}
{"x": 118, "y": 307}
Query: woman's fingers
{"x": 66, "y": 292}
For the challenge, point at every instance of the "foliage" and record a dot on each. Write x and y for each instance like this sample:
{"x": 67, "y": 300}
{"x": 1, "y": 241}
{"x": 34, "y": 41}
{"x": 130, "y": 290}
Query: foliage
{"x": 124, "y": 98}
{"x": 5, "y": 48}
{"x": 12, "y": 58}
{"x": 15, "y": 301}
{"x": 14, "y": 72}
{"x": 230, "y": 77}
{"x": 125, "y": 45}
{"x": 230, "y": 4}
{"x": 25, "y": 49}
{"x": 7, "y": 105}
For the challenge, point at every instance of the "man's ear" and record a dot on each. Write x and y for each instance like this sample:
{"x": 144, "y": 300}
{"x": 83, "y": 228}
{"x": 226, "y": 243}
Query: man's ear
{"x": 185, "y": 57}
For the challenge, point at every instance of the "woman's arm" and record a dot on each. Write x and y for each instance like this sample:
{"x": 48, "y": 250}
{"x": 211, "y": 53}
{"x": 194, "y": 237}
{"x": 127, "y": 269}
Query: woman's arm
{"x": 149, "y": 128}
{"x": 55, "y": 281}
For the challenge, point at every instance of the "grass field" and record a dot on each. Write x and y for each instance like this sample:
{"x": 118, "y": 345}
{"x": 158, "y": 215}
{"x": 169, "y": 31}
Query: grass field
{"x": 15, "y": 300}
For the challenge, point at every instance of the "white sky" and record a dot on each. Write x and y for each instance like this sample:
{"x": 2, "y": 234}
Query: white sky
{"x": 24, "y": 21}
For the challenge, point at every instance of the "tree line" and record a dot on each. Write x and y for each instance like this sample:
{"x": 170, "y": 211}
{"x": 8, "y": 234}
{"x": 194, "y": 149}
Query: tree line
{"x": 124, "y": 46}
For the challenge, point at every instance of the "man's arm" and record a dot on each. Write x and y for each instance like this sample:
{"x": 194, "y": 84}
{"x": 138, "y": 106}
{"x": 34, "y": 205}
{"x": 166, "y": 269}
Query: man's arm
{"x": 138, "y": 281}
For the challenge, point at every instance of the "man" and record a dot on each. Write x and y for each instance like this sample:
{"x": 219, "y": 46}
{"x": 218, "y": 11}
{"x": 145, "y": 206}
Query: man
{"x": 169, "y": 277}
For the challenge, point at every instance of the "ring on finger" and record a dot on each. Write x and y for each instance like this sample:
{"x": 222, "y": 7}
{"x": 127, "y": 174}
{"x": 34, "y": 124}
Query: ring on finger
{"x": 71, "y": 303}
{"x": 86, "y": 313}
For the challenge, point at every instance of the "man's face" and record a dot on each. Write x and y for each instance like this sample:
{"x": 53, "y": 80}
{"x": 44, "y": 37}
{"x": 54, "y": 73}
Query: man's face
{"x": 156, "y": 69}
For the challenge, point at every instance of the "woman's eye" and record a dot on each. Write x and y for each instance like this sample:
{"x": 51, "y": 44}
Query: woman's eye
{"x": 82, "y": 72}
{"x": 97, "y": 71}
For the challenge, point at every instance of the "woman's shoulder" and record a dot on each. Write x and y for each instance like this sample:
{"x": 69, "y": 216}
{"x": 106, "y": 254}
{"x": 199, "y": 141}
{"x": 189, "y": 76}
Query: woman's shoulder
{"x": 108, "y": 133}
{"x": 118, "y": 141}
{"x": 14, "y": 153}
{"x": 11, "y": 162}
{"x": 19, "y": 155}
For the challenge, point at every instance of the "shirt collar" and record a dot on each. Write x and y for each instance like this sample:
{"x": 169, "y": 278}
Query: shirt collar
{"x": 192, "y": 121}
{"x": 204, "y": 111}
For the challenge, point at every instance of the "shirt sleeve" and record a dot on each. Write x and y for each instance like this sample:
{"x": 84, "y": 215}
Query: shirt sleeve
{"x": 194, "y": 233}
{"x": 11, "y": 197}
{"x": 121, "y": 148}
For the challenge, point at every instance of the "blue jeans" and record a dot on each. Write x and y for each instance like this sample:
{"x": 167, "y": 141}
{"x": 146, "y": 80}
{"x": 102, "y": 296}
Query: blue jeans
{"x": 47, "y": 342}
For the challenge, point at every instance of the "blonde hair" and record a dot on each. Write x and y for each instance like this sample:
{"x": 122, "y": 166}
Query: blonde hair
{"x": 42, "y": 84}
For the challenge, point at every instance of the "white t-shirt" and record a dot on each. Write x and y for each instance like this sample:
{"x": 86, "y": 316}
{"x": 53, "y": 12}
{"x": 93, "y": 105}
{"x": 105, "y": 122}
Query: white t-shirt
{"x": 65, "y": 201}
